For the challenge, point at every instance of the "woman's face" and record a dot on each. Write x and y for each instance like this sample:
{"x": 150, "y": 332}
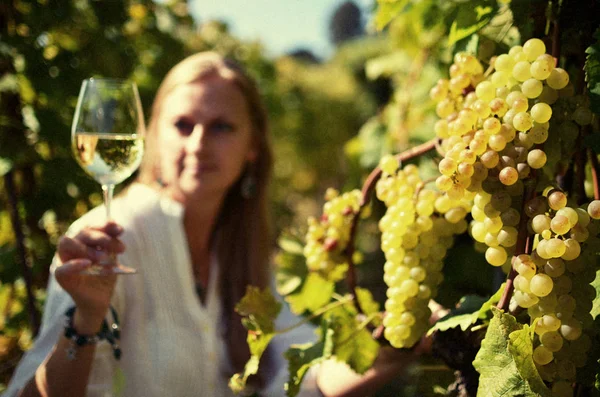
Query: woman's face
{"x": 204, "y": 138}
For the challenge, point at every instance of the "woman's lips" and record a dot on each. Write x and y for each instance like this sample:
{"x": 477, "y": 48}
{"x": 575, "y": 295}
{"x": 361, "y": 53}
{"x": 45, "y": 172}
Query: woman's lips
{"x": 200, "y": 168}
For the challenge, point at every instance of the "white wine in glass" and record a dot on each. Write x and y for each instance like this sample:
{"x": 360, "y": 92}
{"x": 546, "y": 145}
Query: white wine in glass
{"x": 107, "y": 138}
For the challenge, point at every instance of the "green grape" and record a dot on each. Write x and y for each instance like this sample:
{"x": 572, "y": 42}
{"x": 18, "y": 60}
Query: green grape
{"x": 497, "y": 143}
{"x": 389, "y": 164}
{"x": 560, "y": 224}
{"x": 538, "y": 134}
{"x": 570, "y": 214}
{"x": 573, "y": 250}
{"x": 485, "y": 91}
{"x": 540, "y": 70}
{"x": 496, "y": 256}
{"x": 520, "y": 105}
{"x": 542, "y": 355}
{"x": 444, "y": 108}
{"x": 571, "y": 329}
{"x": 536, "y": 158}
{"x": 541, "y": 112}
{"x": 532, "y": 88}
{"x": 533, "y": 48}
{"x": 504, "y": 63}
{"x": 521, "y": 71}
{"x": 509, "y": 176}
{"x": 554, "y": 267}
{"x": 522, "y": 121}
{"x": 558, "y": 79}
{"x": 552, "y": 340}
{"x": 555, "y": 247}
{"x": 447, "y": 167}
{"x": 557, "y": 200}
{"x": 593, "y": 209}
{"x": 525, "y": 300}
{"x": 541, "y": 284}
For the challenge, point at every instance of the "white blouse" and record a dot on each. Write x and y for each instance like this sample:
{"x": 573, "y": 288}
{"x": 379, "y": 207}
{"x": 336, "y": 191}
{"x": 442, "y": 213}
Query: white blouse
{"x": 171, "y": 343}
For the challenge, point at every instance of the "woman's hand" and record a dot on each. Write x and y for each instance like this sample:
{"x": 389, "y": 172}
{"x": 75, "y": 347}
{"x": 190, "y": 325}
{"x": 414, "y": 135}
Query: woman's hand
{"x": 91, "y": 293}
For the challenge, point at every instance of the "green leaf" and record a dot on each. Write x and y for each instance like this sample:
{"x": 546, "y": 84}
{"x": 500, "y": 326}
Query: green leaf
{"x": 471, "y": 308}
{"x": 505, "y": 362}
{"x": 366, "y": 301}
{"x": 259, "y": 310}
{"x": 315, "y": 293}
{"x": 258, "y": 344}
{"x": 596, "y": 305}
{"x": 352, "y": 345}
{"x": 469, "y": 19}
{"x": 387, "y": 10}
{"x": 302, "y": 357}
{"x": 291, "y": 266}
{"x": 290, "y": 244}
{"x": 592, "y": 73}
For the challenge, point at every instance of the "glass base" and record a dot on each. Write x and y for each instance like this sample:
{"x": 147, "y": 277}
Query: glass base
{"x": 107, "y": 270}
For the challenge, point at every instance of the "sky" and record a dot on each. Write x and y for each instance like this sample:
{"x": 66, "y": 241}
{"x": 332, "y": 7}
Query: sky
{"x": 281, "y": 25}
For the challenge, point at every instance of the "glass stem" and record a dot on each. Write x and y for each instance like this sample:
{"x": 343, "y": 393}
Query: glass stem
{"x": 108, "y": 190}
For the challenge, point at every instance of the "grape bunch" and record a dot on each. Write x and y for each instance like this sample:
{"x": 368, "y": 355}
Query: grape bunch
{"x": 492, "y": 137}
{"x": 327, "y": 238}
{"x": 415, "y": 238}
{"x": 564, "y": 257}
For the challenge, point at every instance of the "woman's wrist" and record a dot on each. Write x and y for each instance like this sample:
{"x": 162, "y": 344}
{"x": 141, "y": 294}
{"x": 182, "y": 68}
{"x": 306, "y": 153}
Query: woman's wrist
{"x": 88, "y": 323}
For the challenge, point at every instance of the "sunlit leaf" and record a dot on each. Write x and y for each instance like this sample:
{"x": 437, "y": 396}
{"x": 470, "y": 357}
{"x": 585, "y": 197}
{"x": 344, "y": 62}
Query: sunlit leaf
{"x": 368, "y": 304}
{"x": 387, "y": 11}
{"x": 258, "y": 309}
{"x": 471, "y": 309}
{"x": 315, "y": 293}
{"x": 352, "y": 345}
{"x": 470, "y": 19}
{"x": 302, "y": 357}
{"x": 505, "y": 362}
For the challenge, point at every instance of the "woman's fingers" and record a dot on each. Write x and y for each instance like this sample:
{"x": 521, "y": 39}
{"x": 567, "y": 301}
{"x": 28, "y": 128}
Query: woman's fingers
{"x": 101, "y": 240}
{"x": 74, "y": 267}
{"x": 91, "y": 243}
{"x": 111, "y": 228}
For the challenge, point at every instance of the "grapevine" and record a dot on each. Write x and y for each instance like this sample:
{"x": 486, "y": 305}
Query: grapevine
{"x": 518, "y": 173}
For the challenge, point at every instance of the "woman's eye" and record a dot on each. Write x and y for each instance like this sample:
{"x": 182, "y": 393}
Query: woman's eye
{"x": 184, "y": 126}
{"x": 222, "y": 126}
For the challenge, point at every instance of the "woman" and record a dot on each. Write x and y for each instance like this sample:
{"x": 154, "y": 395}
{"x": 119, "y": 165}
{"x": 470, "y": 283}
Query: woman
{"x": 195, "y": 227}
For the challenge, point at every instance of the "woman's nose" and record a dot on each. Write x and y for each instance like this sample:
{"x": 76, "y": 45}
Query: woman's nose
{"x": 197, "y": 139}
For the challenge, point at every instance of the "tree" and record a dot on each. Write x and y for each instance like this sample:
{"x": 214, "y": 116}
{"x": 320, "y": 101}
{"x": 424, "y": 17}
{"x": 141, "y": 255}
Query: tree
{"x": 346, "y": 23}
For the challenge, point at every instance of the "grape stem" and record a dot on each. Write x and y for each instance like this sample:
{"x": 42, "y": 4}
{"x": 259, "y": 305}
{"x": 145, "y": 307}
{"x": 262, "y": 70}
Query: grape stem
{"x": 342, "y": 301}
{"x": 367, "y": 188}
{"x": 523, "y": 245}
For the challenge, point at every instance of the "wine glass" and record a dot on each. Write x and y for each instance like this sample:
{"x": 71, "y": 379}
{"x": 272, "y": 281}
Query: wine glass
{"x": 107, "y": 138}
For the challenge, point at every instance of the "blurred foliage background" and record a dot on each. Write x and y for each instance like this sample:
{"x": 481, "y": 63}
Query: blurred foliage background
{"x": 48, "y": 47}
{"x": 332, "y": 119}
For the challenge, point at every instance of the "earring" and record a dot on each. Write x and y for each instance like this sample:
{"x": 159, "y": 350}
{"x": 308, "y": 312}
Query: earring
{"x": 248, "y": 187}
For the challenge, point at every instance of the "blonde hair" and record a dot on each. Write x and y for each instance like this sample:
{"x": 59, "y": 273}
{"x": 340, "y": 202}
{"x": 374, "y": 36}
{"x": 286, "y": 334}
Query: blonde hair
{"x": 241, "y": 236}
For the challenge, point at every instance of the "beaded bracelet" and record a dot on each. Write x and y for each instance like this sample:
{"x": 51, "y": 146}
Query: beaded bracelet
{"x": 109, "y": 333}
